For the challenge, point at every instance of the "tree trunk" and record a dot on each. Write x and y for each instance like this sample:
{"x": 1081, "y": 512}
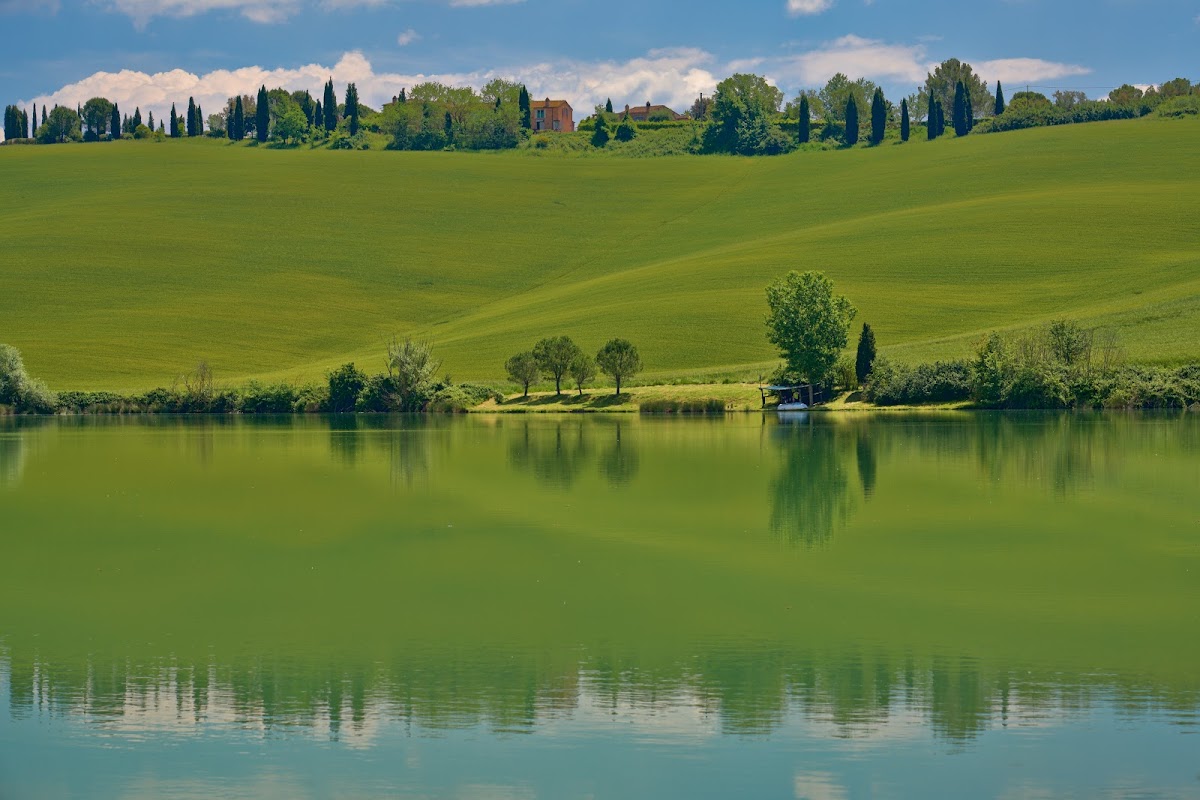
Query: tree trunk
{"x": 618, "y": 386}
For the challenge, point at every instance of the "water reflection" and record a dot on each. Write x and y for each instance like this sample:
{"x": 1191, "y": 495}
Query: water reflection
{"x": 811, "y": 494}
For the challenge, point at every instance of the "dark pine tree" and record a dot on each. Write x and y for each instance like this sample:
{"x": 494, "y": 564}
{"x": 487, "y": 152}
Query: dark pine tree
{"x": 804, "y": 126}
{"x": 43, "y": 114}
{"x": 262, "y": 116}
{"x": 114, "y": 124}
{"x": 318, "y": 115}
{"x": 905, "y": 124}
{"x": 239, "y": 120}
{"x": 150, "y": 124}
{"x": 968, "y": 108}
{"x": 175, "y": 132}
{"x": 960, "y": 110}
{"x": 352, "y": 107}
{"x": 608, "y": 106}
{"x": 199, "y": 121}
{"x": 941, "y": 118}
{"x": 330, "y": 107}
{"x": 931, "y": 121}
{"x": 878, "y": 117}
{"x": 191, "y": 117}
{"x": 523, "y": 105}
{"x": 851, "y": 122}
{"x": 35, "y": 124}
{"x": 865, "y": 358}
{"x": 999, "y": 99}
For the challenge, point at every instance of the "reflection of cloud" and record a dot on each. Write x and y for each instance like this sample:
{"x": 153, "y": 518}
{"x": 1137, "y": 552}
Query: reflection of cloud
{"x": 818, "y": 786}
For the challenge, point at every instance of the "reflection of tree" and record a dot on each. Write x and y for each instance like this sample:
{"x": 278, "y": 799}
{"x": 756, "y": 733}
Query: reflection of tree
{"x": 345, "y": 441}
{"x": 620, "y": 463}
{"x": 811, "y": 493}
{"x": 866, "y": 462}
{"x": 554, "y": 456}
{"x": 12, "y": 459}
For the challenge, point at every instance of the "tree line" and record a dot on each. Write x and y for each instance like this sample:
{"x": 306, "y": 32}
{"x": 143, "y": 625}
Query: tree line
{"x": 558, "y": 357}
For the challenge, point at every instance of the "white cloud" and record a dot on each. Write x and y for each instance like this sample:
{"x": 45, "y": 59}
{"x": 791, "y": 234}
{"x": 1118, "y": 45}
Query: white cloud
{"x": 264, "y": 11}
{"x": 858, "y": 57}
{"x": 1026, "y": 70}
{"x": 407, "y": 37}
{"x": 673, "y": 77}
{"x": 798, "y": 7}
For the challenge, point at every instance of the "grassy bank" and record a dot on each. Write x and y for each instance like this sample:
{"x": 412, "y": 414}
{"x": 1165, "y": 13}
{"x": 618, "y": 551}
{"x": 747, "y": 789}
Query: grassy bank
{"x": 125, "y": 264}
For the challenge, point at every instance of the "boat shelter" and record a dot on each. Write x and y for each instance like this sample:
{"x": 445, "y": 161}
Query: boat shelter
{"x": 797, "y": 397}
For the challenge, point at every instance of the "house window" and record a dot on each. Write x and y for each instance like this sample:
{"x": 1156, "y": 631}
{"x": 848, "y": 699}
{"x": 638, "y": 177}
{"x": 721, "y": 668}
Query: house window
{"x": 556, "y": 125}
{"x": 541, "y": 113}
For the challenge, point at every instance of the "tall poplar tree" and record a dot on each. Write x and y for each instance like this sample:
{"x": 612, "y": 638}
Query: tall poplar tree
{"x": 941, "y": 118}
{"x": 318, "y": 119}
{"x": 239, "y": 120}
{"x": 878, "y": 117}
{"x": 35, "y": 125}
{"x": 804, "y": 127}
{"x": 114, "y": 123}
{"x": 352, "y": 107}
{"x": 851, "y": 122}
{"x": 199, "y": 121}
{"x": 262, "y": 116}
{"x": 931, "y": 124}
{"x": 905, "y": 124}
{"x": 330, "y": 106}
{"x": 523, "y": 106}
{"x": 960, "y": 110}
{"x": 191, "y": 117}
{"x": 999, "y": 99}
{"x": 175, "y": 132}
{"x": 150, "y": 124}
{"x": 968, "y": 108}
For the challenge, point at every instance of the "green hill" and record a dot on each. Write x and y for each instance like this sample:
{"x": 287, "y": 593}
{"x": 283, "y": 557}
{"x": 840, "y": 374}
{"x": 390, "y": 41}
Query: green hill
{"x": 125, "y": 264}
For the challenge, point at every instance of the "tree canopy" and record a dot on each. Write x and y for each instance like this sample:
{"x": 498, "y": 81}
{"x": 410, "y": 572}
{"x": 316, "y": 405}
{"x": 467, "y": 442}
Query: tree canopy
{"x": 619, "y": 360}
{"x": 808, "y": 323}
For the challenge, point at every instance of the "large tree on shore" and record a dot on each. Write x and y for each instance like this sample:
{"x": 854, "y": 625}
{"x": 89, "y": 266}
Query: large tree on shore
{"x": 554, "y": 356}
{"x": 523, "y": 370}
{"x": 808, "y": 323}
{"x": 262, "y": 115}
{"x": 619, "y": 360}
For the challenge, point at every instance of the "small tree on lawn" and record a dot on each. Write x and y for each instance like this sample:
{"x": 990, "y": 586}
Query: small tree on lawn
{"x": 554, "y": 356}
{"x": 523, "y": 370}
{"x": 600, "y": 135}
{"x": 619, "y": 360}
{"x": 582, "y": 370}
{"x": 808, "y": 323}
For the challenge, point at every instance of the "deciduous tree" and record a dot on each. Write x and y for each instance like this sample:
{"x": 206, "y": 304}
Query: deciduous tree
{"x": 523, "y": 369}
{"x": 582, "y": 370}
{"x": 619, "y": 360}
{"x": 808, "y": 323}
{"x": 554, "y": 355}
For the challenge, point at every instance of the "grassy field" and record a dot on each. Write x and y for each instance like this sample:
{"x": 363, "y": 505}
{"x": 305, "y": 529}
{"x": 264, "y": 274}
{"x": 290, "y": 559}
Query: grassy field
{"x": 125, "y": 264}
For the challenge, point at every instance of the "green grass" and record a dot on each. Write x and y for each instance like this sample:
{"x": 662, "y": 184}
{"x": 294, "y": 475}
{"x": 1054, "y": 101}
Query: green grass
{"x": 124, "y": 264}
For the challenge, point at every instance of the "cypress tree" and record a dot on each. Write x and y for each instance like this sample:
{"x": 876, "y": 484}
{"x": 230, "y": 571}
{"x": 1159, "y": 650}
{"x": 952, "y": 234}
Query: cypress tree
{"x": 999, "y": 99}
{"x": 523, "y": 105}
{"x": 878, "y": 117}
{"x": 600, "y": 135}
{"x": 905, "y": 125}
{"x": 175, "y": 132}
{"x": 403, "y": 96}
{"x": 941, "y": 118}
{"x": 262, "y": 117}
{"x": 318, "y": 115}
{"x": 960, "y": 109}
{"x": 865, "y": 357}
{"x": 150, "y": 124}
{"x": 35, "y": 125}
{"x": 352, "y": 107}
{"x": 191, "y": 117}
{"x": 851, "y": 122}
{"x": 10, "y": 127}
{"x": 115, "y": 123}
{"x": 931, "y": 122}
{"x": 43, "y": 114}
{"x": 330, "y": 107}
{"x": 199, "y": 121}
{"x": 608, "y": 106}
{"x": 968, "y": 108}
{"x": 162, "y": 126}
{"x": 239, "y": 120}
{"x": 804, "y": 127}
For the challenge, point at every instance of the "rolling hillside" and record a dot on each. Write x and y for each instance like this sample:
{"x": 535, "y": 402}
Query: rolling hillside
{"x": 124, "y": 264}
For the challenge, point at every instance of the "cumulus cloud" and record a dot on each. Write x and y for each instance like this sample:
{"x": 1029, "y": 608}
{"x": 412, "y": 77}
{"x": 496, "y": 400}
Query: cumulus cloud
{"x": 673, "y": 77}
{"x": 859, "y": 57}
{"x": 1026, "y": 70}
{"x": 799, "y": 7}
{"x": 407, "y": 37}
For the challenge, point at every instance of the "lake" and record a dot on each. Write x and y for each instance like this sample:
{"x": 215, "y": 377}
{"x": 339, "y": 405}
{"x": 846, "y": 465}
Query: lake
{"x": 823, "y": 607}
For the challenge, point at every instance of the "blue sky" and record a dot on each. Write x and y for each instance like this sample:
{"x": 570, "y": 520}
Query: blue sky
{"x": 153, "y": 52}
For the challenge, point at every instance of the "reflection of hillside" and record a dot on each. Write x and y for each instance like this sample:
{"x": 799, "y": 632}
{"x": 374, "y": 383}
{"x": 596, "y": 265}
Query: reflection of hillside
{"x": 747, "y": 692}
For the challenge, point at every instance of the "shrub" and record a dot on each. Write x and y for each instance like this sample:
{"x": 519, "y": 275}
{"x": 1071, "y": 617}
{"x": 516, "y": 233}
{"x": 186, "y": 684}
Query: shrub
{"x": 345, "y": 385}
{"x": 260, "y": 398}
{"x": 452, "y": 400}
{"x": 707, "y": 405}
{"x": 1178, "y": 107}
{"x": 23, "y": 393}
{"x": 900, "y": 384}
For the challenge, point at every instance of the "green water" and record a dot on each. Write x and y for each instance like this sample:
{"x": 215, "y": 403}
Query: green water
{"x": 828, "y": 607}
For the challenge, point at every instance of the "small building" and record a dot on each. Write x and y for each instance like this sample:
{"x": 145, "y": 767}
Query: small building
{"x": 551, "y": 115}
{"x": 647, "y": 112}
{"x": 793, "y": 398}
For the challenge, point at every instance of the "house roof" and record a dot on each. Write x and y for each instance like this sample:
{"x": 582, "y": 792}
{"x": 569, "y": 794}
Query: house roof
{"x": 653, "y": 108}
{"x": 549, "y": 104}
